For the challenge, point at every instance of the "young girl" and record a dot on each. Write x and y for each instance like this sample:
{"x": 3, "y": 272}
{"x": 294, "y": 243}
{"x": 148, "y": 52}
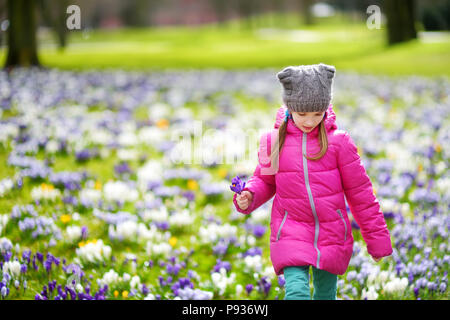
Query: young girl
{"x": 309, "y": 165}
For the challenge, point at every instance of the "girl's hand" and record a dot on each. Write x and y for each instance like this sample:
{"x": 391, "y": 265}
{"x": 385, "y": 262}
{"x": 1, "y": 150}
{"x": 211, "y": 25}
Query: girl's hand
{"x": 244, "y": 199}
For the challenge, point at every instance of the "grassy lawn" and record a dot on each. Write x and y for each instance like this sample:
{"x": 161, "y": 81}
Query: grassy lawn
{"x": 348, "y": 46}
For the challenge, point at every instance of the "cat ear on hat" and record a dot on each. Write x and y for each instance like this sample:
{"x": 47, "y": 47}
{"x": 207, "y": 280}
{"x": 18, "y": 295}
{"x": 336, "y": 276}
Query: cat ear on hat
{"x": 330, "y": 70}
{"x": 286, "y": 72}
{"x": 285, "y": 75}
{"x": 285, "y": 78}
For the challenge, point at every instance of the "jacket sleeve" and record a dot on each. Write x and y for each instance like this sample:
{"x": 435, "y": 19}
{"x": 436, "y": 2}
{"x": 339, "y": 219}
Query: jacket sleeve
{"x": 262, "y": 186}
{"x": 362, "y": 201}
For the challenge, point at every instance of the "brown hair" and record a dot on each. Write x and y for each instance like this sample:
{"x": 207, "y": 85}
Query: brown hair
{"x": 323, "y": 141}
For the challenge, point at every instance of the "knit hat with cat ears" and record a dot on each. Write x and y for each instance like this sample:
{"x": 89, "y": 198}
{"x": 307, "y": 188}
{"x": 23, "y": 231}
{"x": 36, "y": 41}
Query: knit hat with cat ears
{"x": 307, "y": 88}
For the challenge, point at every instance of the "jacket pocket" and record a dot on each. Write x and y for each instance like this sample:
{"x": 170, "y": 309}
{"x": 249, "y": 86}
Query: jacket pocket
{"x": 281, "y": 225}
{"x": 345, "y": 224}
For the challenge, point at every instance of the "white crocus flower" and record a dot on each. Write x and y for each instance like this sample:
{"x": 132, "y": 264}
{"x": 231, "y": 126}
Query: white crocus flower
{"x": 12, "y": 267}
{"x": 213, "y": 232}
{"x": 253, "y": 263}
{"x": 73, "y": 233}
{"x": 239, "y": 289}
{"x": 3, "y": 221}
{"x": 5, "y": 186}
{"x": 135, "y": 282}
{"x": 396, "y": 285}
{"x": 94, "y": 252}
{"x": 155, "y": 249}
{"x": 110, "y": 277}
{"x": 52, "y": 146}
{"x": 79, "y": 287}
{"x": 126, "y": 277}
{"x": 369, "y": 294}
{"x": 156, "y": 215}
{"x": 152, "y": 170}
{"x": 119, "y": 191}
{"x": 46, "y": 193}
{"x": 150, "y": 297}
{"x": 90, "y": 195}
{"x": 221, "y": 281}
{"x": 127, "y": 154}
{"x": 183, "y": 218}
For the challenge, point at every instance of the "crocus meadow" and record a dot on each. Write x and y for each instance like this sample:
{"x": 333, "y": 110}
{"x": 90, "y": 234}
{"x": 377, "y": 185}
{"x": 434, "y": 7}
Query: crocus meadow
{"x": 100, "y": 196}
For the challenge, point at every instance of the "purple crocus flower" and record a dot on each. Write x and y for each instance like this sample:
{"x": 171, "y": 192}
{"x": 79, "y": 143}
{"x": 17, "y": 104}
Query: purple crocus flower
{"x": 259, "y": 231}
{"x": 82, "y": 155}
{"x": 35, "y": 266}
{"x": 163, "y": 225}
{"x": 237, "y": 185}
{"x": 189, "y": 195}
{"x": 7, "y": 255}
{"x": 222, "y": 264}
{"x": 162, "y": 283}
{"x": 84, "y": 232}
{"x": 122, "y": 168}
{"x": 354, "y": 225}
{"x": 144, "y": 289}
{"x": 220, "y": 249}
{"x": 264, "y": 285}
{"x": 26, "y": 255}
{"x": 48, "y": 264}
{"x": 281, "y": 281}
{"x": 253, "y": 252}
{"x": 40, "y": 256}
{"x": 249, "y": 288}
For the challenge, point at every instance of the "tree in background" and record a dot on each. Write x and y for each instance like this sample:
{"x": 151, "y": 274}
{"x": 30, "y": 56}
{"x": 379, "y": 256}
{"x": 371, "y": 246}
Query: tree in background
{"x": 400, "y": 16}
{"x": 54, "y": 15}
{"x": 305, "y": 6}
{"x": 137, "y": 13}
{"x": 435, "y": 15}
{"x": 220, "y": 9}
{"x": 22, "y": 47}
{"x": 247, "y": 10}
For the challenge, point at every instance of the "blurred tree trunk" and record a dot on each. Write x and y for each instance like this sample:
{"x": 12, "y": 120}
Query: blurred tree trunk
{"x": 400, "y": 20}
{"x": 22, "y": 44}
{"x": 306, "y": 11}
{"x": 246, "y": 8}
{"x": 278, "y": 8}
{"x": 220, "y": 9}
{"x": 55, "y": 15}
{"x": 138, "y": 12}
{"x": 2, "y": 14}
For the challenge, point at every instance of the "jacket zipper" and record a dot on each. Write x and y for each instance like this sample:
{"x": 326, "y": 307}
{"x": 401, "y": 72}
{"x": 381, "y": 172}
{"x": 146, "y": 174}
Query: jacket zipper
{"x": 281, "y": 225}
{"x": 311, "y": 200}
{"x": 343, "y": 220}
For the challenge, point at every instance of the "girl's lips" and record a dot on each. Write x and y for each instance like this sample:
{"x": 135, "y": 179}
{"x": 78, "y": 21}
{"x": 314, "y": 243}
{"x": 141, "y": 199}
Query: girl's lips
{"x": 307, "y": 128}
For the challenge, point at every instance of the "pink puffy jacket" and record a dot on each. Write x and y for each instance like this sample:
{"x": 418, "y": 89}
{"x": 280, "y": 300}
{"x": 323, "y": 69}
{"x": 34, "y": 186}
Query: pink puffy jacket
{"x": 309, "y": 223}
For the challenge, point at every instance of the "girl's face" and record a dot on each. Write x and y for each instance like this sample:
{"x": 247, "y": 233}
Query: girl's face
{"x": 307, "y": 121}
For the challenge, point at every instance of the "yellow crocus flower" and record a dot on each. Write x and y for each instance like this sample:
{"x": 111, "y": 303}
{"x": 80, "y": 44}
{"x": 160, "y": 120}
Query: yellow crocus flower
{"x": 162, "y": 123}
{"x": 192, "y": 184}
{"x": 65, "y": 218}
{"x": 173, "y": 241}
{"x": 222, "y": 172}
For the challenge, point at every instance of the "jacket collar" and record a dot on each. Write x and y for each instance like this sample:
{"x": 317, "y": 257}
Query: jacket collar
{"x": 330, "y": 122}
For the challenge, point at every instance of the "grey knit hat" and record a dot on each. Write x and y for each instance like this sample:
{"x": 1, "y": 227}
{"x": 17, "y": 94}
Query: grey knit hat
{"x": 307, "y": 88}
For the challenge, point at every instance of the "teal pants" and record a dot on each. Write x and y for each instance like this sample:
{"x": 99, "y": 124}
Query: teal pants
{"x": 297, "y": 284}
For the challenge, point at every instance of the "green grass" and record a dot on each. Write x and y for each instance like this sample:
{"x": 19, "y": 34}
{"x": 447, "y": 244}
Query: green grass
{"x": 349, "y": 46}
